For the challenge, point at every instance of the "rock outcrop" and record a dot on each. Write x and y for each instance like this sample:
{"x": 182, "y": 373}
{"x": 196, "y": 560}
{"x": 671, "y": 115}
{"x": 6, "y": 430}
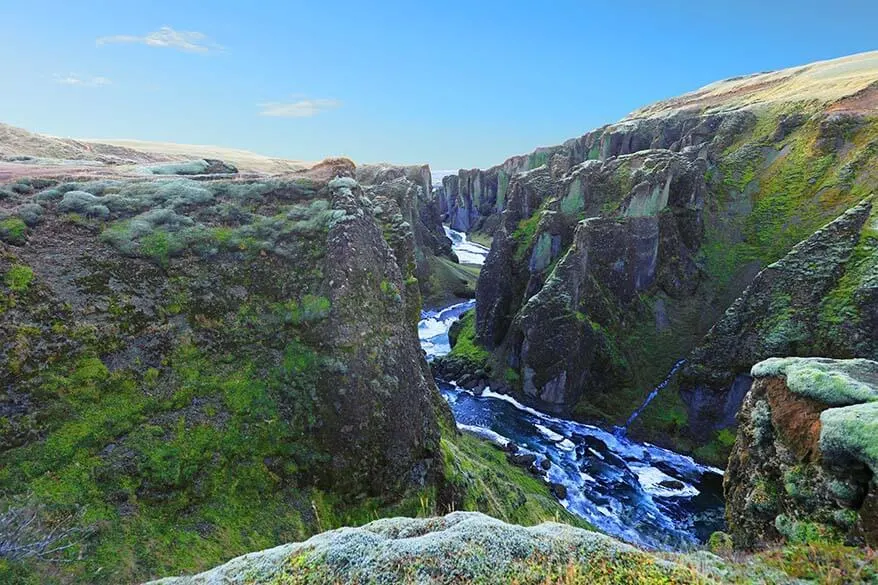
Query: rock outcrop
{"x": 804, "y": 462}
{"x": 463, "y": 548}
{"x": 615, "y": 253}
{"x": 562, "y": 278}
{"x": 404, "y": 198}
{"x": 818, "y": 300}
{"x": 188, "y": 356}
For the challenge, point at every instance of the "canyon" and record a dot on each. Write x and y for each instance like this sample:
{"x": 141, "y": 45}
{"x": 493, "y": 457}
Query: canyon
{"x": 207, "y": 352}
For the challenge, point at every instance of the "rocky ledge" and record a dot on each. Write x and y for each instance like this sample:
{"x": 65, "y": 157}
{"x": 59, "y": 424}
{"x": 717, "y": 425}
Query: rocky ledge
{"x": 806, "y": 454}
{"x": 468, "y": 547}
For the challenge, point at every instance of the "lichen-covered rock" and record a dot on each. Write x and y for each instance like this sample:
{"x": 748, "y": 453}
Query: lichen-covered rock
{"x": 803, "y": 465}
{"x": 460, "y": 548}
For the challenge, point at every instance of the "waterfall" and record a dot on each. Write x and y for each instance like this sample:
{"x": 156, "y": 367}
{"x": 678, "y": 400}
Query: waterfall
{"x": 652, "y": 395}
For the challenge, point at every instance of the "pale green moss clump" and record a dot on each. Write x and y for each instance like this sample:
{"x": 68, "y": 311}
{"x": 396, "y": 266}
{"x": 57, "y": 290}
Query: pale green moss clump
{"x": 851, "y": 433}
{"x": 18, "y": 278}
{"x": 13, "y": 230}
{"x": 84, "y": 203}
{"x": 191, "y": 167}
{"x": 466, "y": 547}
{"x": 832, "y": 382}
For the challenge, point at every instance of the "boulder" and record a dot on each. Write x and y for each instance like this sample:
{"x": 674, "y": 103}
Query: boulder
{"x": 805, "y": 458}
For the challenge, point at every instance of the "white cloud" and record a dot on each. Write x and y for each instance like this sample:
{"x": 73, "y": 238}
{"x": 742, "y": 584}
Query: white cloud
{"x": 73, "y": 79}
{"x": 167, "y": 37}
{"x": 303, "y": 108}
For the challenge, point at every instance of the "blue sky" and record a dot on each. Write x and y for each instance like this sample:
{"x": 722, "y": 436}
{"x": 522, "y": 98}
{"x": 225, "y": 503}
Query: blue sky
{"x": 454, "y": 84}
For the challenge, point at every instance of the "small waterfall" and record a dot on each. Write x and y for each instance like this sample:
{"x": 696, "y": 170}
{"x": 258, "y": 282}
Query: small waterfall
{"x": 652, "y": 395}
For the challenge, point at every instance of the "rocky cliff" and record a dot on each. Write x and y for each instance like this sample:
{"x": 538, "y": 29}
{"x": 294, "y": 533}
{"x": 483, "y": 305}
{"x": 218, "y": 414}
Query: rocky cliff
{"x": 819, "y": 299}
{"x": 406, "y": 199}
{"x": 804, "y": 462}
{"x": 174, "y": 350}
{"x": 614, "y": 257}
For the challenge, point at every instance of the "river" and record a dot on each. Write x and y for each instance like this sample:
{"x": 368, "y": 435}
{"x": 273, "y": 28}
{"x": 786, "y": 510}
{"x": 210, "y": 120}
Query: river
{"x": 637, "y": 492}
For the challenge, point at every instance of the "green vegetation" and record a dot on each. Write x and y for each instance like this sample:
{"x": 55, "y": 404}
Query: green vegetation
{"x": 481, "y": 479}
{"x": 776, "y": 194}
{"x": 18, "y": 278}
{"x": 824, "y": 563}
{"x": 524, "y": 235}
{"x": 716, "y": 451}
{"x": 831, "y": 382}
{"x": 851, "y": 433}
{"x": 13, "y": 231}
{"x": 449, "y": 280}
{"x": 175, "y": 490}
{"x": 466, "y": 347}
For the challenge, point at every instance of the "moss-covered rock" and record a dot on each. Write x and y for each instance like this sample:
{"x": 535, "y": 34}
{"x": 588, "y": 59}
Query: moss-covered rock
{"x": 465, "y": 547}
{"x": 209, "y": 366}
{"x": 805, "y": 454}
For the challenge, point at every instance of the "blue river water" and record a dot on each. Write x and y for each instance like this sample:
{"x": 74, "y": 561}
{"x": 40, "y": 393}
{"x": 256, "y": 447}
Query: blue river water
{"x": 637, "y": 492}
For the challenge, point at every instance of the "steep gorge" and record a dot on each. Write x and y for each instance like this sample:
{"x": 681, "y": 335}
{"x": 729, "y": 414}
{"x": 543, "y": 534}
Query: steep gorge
{"x": 197, "y": 361}
{"x": 615, "y": 253}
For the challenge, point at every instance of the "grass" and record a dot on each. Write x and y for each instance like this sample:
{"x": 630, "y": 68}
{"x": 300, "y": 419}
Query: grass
{"x": 466, "y": 347}
{"x": 448, "y": 281}
{"x": 831, "y": 564}
{"x": 18, "y": 278}
{"x": 524, "y": 235}
{"x": 13, "y": 231}
{"x": 484, "y": 481}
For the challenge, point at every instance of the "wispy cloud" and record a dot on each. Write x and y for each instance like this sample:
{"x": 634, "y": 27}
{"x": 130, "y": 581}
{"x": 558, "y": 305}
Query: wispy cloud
{"x": 167, "y": 37}
{"x": 77, "y": 80}
{"x": 303, "y": 108}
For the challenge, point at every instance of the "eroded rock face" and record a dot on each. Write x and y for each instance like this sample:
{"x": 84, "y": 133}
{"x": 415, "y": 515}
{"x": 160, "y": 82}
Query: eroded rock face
{"x": 804, "y": 461}
{"x": 404, "y": 198}
{"x": 817, "y": 300}
{"x": 209, "y": 346}
{"x": 554, "y": 281}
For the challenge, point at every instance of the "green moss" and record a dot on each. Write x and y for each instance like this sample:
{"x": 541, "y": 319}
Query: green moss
{"x": 851, "y": 433}
{"x": 524, "y": 235}
{"x": 208, "y": 467}
{"x": 803, "y": 532}
{"x": 484, "y": 481}
{"x": 832, "y": 382}
{"x": 502, "y": 188}
{"x": 716, "y": 451}
{"x": 720, "y": 543}
{"x": 18, "y": 278}
{"x": 13, "y": 231}
{"x": 763, "y": 497}
{"x": 773, "y": 196}
{"x": 573, "y": 203}
{"x": 537, "y": 159}
{"x": 309, "y": 309}
{"x": 467, "y": 348}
